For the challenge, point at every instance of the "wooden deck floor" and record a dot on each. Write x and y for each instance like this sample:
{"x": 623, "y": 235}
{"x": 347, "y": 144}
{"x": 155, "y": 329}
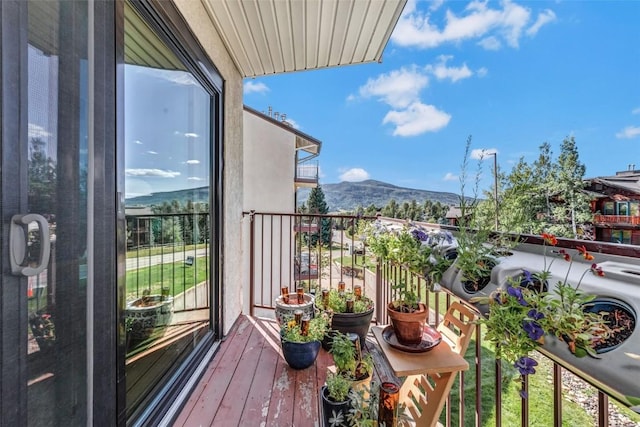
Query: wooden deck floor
{"x": 248, "y": 383}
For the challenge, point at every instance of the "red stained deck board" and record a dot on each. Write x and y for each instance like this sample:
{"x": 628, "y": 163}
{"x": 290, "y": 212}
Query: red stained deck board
{"x": 280, "y": 412}
{"x": 233, "y": 402}
{"x": 213, "y": 385}
{"x": 257, "y": 404}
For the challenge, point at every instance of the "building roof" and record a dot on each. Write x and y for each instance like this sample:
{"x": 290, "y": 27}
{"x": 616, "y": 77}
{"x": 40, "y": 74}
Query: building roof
{"x": 626, "y": 180}
{"x": 268, "y": 37}
{"x": 303, "y": 141}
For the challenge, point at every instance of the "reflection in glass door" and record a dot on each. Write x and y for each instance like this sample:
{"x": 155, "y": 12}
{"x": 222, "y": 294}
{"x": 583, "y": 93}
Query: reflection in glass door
{"x": 167, "y": 174}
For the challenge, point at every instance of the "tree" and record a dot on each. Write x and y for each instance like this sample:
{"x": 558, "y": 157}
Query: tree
{"x": 572, "y": 204}
{"x": 316, "y": 204}
{"x": 42, "y": 179}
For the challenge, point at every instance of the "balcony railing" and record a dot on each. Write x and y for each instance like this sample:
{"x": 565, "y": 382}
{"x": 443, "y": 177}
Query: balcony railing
{"x": 616, "y": 219}
{"x": 307, "y": 172}
{"x": 278, "y": 240}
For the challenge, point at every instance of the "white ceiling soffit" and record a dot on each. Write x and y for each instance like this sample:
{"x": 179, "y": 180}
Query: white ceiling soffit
{"x": 277, "y": 36}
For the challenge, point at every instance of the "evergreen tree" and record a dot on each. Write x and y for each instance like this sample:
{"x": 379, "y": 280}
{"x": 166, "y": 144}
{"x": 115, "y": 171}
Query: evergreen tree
{"x": 316, "y": 204}
{"x": 572, "y": 207}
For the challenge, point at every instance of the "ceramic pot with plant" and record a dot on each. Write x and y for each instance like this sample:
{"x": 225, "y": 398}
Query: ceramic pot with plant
{"x": 349, "y": 360}
{"x": 407, "y": 314}
{"x": 301, "y": 340}
{"x": 335, "y": 400}
{"x": 350, "y": 311}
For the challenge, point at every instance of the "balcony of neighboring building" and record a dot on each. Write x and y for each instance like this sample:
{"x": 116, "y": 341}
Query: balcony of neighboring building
{"x": 307, "y": 174}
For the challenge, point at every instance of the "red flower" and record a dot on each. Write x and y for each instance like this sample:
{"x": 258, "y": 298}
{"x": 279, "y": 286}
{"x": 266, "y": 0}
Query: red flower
{"x": 597, "y": 270}
{"x": 550, "y": 239}
{"x": 564, "y": 255}
{"x": 583, "y": 251}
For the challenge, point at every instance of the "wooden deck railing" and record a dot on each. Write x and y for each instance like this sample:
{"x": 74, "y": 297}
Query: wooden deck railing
{"x": 616, "y": 219}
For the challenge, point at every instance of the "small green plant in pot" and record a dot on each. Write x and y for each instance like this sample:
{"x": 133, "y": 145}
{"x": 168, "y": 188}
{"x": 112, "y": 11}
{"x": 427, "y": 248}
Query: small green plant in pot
{"x": 345, "y": 319}
{"x": 335, "y": 399}
{"x": 301, "y": 341}
{"x": 348, "y": 357}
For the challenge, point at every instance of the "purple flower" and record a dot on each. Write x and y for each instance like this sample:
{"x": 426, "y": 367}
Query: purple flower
{"x": 527, "y": 277}
{"x": 517, "y": 294}
{"x": 524, "y": 394}
{"x": 419, "y": 235}
{"x": 526, "y": 365}
{"x": 533, "y": 329}
{"x": 535, "y": 314}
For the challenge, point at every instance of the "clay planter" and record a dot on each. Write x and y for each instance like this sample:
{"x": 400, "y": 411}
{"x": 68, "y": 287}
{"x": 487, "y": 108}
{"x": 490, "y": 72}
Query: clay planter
{"x": 286, "y": 310}
{"x": 408, "y": 327}
{"x": 148, "y": 314}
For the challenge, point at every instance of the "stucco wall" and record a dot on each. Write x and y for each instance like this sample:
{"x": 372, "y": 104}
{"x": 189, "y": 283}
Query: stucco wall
{"x": 269, "y": 168}
{"x": 198, "y": 19}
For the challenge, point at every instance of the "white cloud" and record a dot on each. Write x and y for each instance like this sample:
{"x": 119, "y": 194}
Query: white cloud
{"x": 137, "y": 141}
{"x": 399, "y": 88}
{"x": 152, "y": 152}
{"x": 193, "y": 162}
{"x": 451, "y": 177}
{"x": 37, "y": 131}
{"x": 416, "y": 119}
{"x": 354, "y": 175}
{"x": 191, "y": 135}
{"x": 254, "y": 87}
{"x": 629, "y": 132}
{"x": 194, "y": 178}
{"x": 482, "y": 71}
{"x": 478, "y": 21}
{"x": 544, "y": 17}
{"x": 635, "y": 111}
{"x": 483, "y": 153}
{"x": 441, "y": 71}
{"x": 154, "y": 173}
{"x": 490, "y": 43}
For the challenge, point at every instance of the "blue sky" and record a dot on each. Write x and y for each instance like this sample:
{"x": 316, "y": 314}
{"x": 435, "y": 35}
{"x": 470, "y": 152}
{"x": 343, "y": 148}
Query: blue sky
{"x": 511, "y": 74}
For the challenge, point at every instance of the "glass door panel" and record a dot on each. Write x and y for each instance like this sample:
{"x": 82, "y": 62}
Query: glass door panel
{"x": 56, "y": 153}
{"x": 167, "y": 173}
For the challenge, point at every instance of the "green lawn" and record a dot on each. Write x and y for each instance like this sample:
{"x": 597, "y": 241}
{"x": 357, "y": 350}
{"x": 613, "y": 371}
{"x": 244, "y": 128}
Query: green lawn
{"x": 177, "y": 277}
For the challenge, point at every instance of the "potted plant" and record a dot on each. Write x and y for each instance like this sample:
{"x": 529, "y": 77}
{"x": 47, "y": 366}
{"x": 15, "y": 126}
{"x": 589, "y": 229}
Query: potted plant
{"x": 43, "y": 330}
{"x": 524, "y": 312}
{"x": 363, "y": 410}
{"x": 407, "y": 314}
{"x": 424, "y": 253}
{"x": 335, "y": 399}
{"x": 350, "y": 312}
{"x": 349, "y": 360}
{"x": 301, "y": 340}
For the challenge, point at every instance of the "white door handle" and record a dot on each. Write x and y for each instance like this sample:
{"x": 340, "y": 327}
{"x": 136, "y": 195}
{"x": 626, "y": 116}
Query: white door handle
{"x": 18, "y": 239}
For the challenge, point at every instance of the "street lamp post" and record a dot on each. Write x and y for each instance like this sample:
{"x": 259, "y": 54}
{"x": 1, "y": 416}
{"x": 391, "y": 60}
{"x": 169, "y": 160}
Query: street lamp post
{"x": 495, "y": 183}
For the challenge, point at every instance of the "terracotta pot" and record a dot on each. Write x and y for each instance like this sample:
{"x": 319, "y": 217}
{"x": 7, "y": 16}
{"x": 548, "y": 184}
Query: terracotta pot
{"x": 408, "y": 327}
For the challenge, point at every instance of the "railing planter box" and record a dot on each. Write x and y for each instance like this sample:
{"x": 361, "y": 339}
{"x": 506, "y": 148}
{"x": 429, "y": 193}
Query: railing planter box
{"x": 617, "y": 292}
{"x": 147, "y": 313}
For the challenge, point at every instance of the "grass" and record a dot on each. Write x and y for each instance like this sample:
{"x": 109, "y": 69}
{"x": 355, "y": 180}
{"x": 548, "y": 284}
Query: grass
{"x": 177, "y": 277}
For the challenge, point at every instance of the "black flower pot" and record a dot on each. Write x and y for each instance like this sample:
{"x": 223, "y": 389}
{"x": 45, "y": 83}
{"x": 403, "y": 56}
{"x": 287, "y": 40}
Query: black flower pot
{"x": 358, "y": 323}
{"x": 300, "y": 355}
{"x": 334, "y": 411}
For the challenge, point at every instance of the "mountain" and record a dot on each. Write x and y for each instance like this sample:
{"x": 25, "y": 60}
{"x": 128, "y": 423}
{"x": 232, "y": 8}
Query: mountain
{"x": 349, "y": 195}
{"x": 196, "y": 195}
{"x": 344, "y": 196}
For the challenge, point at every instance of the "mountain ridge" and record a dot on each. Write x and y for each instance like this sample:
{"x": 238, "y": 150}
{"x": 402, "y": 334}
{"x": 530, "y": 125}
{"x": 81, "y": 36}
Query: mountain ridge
{"x": 347, "y": 196}
{"x": 342, "y": 196}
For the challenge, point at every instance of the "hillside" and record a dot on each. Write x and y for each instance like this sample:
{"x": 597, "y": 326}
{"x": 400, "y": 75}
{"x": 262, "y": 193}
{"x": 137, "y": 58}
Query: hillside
{"x": 340, "y": 197}
{"x": 200, "y": 194}
{"x": 349, "y": 195}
